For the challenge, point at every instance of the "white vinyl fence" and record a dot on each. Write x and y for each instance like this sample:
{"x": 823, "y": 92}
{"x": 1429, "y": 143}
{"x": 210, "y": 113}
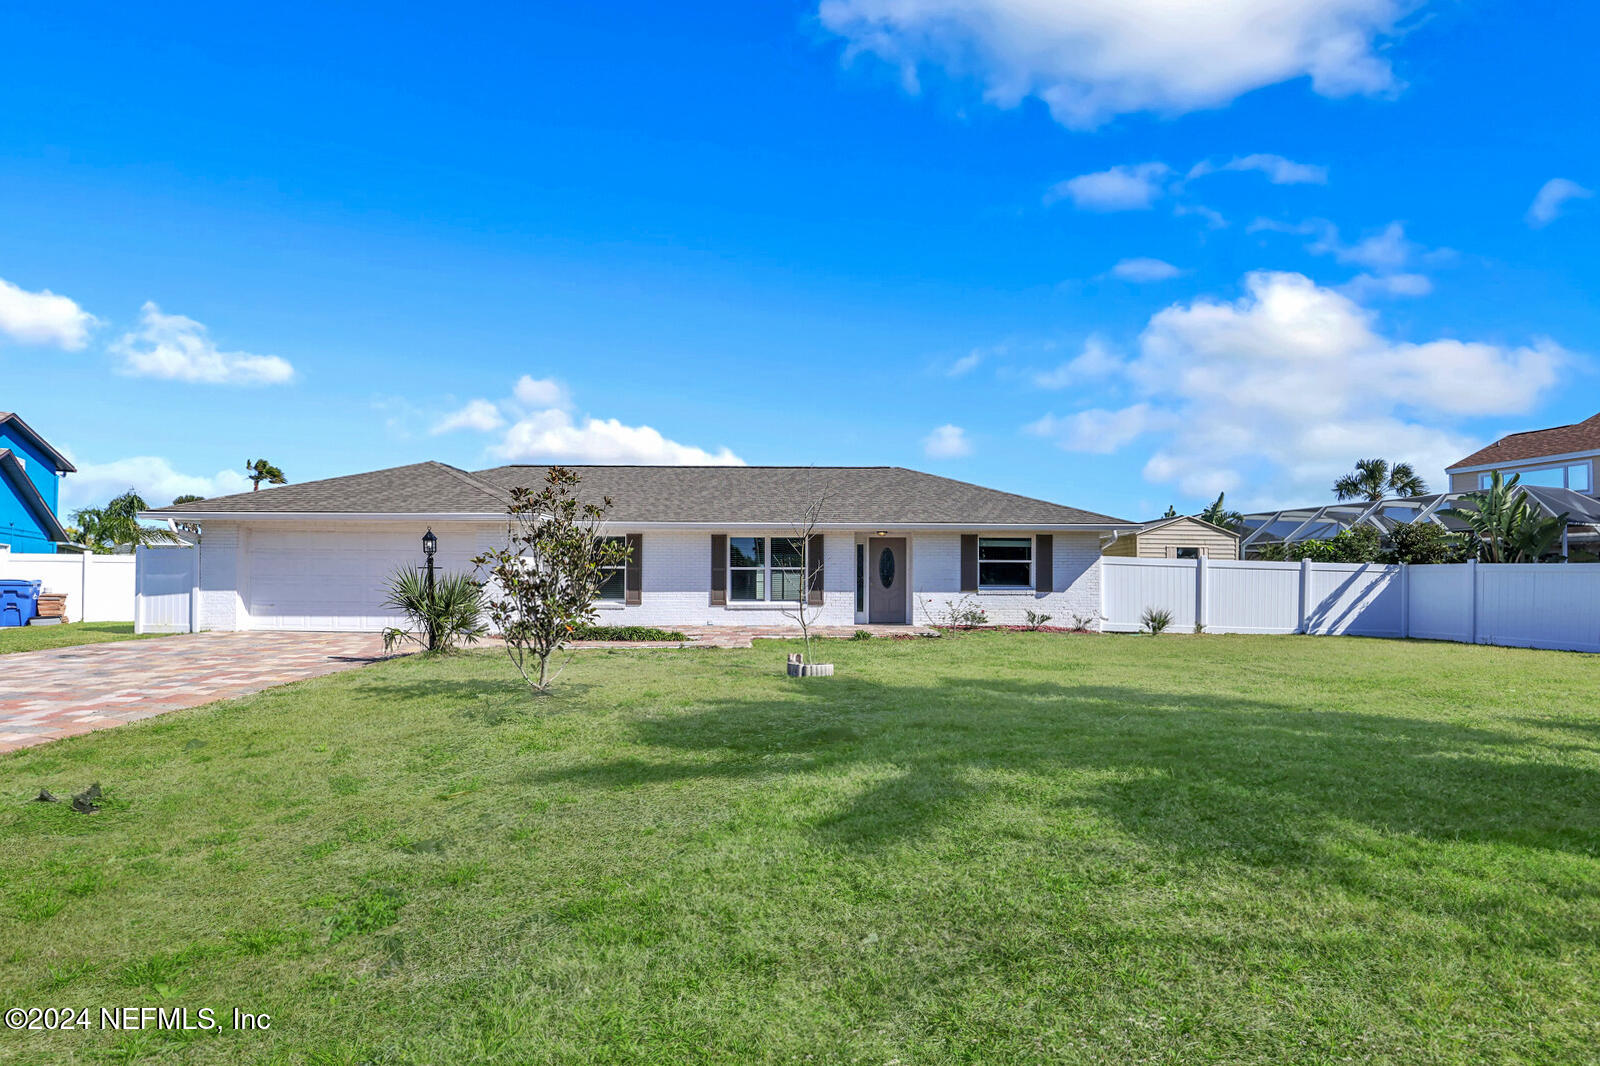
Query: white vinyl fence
{"x": 167, "y": 599}
{"x": 99, "y": 588}
{"x": 1530, "y": 606}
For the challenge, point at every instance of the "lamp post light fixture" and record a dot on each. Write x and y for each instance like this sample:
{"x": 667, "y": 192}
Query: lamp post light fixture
{"x": 430, "y": 544}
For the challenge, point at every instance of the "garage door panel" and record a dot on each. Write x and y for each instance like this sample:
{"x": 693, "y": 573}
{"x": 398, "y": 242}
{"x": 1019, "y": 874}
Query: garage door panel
{"x": 333, "y": 580}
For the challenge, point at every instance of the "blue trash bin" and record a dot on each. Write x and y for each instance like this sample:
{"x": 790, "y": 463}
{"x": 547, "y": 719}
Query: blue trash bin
{"x": 19, "y": 602}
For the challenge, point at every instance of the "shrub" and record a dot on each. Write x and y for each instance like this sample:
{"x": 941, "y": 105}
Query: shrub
{"x": 1036, "y": 619}
{"x": 1360, "y": 544}
{"x": 1426, "y": 542}
{"x": 452, "y": 614}
{"x": 861, "y": 634}
{"x": 591, "y": 632}
{"x": 953, "y": 614}
{"x": 1155, "y": 619}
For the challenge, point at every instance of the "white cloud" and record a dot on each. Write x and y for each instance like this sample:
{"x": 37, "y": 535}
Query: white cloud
{"x": 1134, "y": 187}
{"x": 43, "y": 318}
{"x": 1213, "y": 218}
{"x": 1096, "y": 361}
{"x": 150, "y": 476}
{"x": 540, "y": 392}
{"x": 1091, "y": 60}
{"x": 1097, "y": 430}
{"x": 546, "y": 429}
{"x": 178, "y": 348}
{"x": 1367, "y": 286}
{"x": 1143, "y": 269}
{"x": 1278, "y": 170}
{"x": 946, "y": 442}
{"x": 553, "y": 434}
{"x": 1552, "y": 196}
{"x": 479, "y": 415}
{"x": 1278, "y": 392}
{"x": 966, "y": 364}
{"x": 1388, "y": 249}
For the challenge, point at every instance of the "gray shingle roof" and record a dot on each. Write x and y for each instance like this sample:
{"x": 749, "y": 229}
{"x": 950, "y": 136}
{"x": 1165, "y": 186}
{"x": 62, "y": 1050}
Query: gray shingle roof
{"x": 864, "y": 495}
{"x": 420, "y": 488}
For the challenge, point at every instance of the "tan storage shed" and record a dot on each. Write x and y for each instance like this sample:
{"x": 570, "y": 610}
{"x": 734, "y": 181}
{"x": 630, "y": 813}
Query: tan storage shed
{"x": 1183, "y": 537}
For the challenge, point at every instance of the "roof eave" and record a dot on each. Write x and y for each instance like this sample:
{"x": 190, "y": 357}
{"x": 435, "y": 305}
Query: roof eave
{"x": 495, "y": 516}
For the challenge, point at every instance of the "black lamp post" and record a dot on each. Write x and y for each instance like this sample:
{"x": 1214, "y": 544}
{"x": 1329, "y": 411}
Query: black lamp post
{"x": 430, "y": 544}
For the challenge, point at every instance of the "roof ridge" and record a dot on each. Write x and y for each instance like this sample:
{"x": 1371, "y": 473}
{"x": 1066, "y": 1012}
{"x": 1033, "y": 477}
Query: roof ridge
{"x": 464, "y": 476}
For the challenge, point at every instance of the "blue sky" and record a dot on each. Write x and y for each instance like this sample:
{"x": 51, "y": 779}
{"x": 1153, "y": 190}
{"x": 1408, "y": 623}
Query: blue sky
{"x": 1107, "y": 252}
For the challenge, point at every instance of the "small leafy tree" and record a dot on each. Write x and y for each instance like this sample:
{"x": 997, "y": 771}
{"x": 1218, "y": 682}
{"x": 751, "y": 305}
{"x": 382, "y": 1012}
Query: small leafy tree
{"x": 450, "y": 613}
{"x": 1172, "y": 512}
{"x": 105, "y": 529}
{"x": 1506, "y": 527}
{"x": 803, "y": 611}
{"x": 260, "y": 470}
{"x": 1373, "y": 479}
{"x": 543, "y": 584}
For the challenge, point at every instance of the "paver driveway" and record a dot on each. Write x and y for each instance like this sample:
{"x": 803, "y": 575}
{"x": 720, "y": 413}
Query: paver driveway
{"x": 61, "y": 692}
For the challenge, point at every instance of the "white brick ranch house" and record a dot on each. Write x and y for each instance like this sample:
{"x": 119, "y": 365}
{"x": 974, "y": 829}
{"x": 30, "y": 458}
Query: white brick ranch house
{"x": 710, "y": 545}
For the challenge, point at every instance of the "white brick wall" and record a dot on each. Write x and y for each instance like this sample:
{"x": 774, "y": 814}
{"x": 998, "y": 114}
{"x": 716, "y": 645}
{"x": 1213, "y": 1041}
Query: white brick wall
{"x": 936, "y": 582}
{"x": 677, "y": 586}
{"x": 220, "y": 607}
{"x": 677, "y": 576}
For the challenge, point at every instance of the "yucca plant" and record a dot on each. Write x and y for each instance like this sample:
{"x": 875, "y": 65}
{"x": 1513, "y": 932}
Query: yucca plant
{"x": 452, "y": 614}
{"x": 1154, "y": 620}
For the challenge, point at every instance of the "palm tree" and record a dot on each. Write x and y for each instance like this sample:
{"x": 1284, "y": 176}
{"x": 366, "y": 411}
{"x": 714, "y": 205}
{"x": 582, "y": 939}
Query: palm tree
{"x": 260, "y": 471}
{"x": 1373, "y": 479}
{"x": 1219, "y": 515}
{"x": 105, "y": 529}
{"x": 1507, "y": 528}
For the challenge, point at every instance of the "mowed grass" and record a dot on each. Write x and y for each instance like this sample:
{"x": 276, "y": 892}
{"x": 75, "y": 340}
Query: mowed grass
{"x": 995, "y": 849}
{"x": 37, "y": 638}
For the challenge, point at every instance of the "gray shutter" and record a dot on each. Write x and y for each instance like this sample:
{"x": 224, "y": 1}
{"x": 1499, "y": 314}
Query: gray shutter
{"x": 634, "y": 576}
{"x": 1044, "y": 563}
{"x": 814, "y": 569}
{"x": 719, "y": 569}
{"x": 969, "y": 562}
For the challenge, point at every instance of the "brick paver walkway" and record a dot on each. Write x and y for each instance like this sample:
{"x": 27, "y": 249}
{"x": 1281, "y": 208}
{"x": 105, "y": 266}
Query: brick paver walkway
{"x": 61, "y": 692}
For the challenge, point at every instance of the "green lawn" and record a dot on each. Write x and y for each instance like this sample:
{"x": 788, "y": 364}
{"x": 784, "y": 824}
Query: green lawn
{"x": 994, "y": 849}
{"x": 34, "y": 638}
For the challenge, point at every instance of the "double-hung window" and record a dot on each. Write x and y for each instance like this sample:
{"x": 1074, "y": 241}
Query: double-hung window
{"x": 766, "y": 569}
{"x": 614, "y": 579}
{"x": 1005, "y": 562}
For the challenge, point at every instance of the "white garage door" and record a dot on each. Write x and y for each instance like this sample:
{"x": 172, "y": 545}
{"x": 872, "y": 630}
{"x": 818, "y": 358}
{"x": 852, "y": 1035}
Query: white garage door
{"x": 336, "y": 580}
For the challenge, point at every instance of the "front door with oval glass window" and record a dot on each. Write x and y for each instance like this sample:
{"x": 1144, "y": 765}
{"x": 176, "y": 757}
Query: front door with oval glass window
{"x": 886, "y": 580}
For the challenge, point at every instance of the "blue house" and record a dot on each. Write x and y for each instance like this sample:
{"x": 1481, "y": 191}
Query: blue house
{"x": 30, "y": 484}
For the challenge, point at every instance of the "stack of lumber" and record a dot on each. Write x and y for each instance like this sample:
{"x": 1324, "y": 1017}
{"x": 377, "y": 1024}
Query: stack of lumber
{"x": 53, "y": 605}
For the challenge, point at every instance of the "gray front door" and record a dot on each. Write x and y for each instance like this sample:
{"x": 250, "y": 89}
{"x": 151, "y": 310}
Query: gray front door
{"x": 886, "y": 580}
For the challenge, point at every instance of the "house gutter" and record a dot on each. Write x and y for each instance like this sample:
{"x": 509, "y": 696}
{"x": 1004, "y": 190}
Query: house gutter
{"x": 498, "y": 517}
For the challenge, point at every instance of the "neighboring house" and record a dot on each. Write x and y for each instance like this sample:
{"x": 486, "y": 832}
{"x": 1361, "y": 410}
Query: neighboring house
{"x": 1562, "y": 457}
{"x": 1184, "y": 537}
{"x": 711, "y": 545}
{"x": 30, "y": 482}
